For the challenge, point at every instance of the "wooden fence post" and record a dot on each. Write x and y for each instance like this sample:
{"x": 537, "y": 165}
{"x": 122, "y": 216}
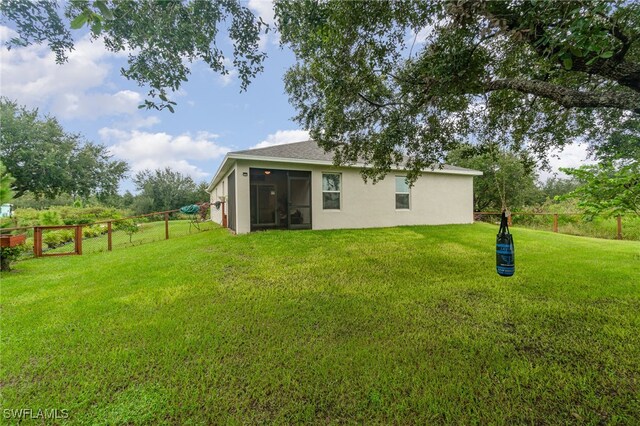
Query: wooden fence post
{"x": 109, "y": 235}
{"x": 37, "y": 241}
{"x": 555, "y": 222}
{"x": 79, "y": 239}
{"x": 224, "y": 217}
{"x": 619, "y": 236}
{"x": 166, "y": 226}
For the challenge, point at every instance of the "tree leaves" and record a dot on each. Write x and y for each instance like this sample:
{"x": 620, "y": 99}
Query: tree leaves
{"x": 162, "y": 38}
{"x": 79, "y": 21}
{"x": 504, "y": 174}
{"x": 165, "y": 189}
{"x": 612, "y": 187}
{"x": 6, "y": 184}
{"x": 47, "y": 161}
{"x": 104, "y": 9}
{"x": 529, "y": 74}
{"x": 607, "y": 189}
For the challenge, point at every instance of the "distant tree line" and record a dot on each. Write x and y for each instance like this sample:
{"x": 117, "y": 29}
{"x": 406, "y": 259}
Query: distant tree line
{"x": 609, "y": 187}
{"x": 163, "y": 189}
{"x": 509, "y": 177}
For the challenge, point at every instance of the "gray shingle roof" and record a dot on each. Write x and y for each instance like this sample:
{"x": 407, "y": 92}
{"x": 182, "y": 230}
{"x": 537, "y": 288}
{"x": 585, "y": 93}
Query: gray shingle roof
{"x": 305, "y": 150}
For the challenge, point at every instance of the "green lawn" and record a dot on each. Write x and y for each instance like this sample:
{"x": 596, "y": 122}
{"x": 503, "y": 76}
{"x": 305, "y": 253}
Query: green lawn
{"x": 396, "y": 325}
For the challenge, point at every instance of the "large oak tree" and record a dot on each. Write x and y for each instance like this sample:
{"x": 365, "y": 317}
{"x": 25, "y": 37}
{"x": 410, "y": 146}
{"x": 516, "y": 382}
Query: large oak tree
{"x": 525, "y": 74}
{"x": 47, "y": 161}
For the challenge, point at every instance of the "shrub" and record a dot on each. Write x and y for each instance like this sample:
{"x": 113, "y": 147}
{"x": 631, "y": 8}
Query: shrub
{"x": 68, "y": 215}
{"x": 54, "y": 239}
{"x": 128, "y": 226}
{"x": 66, "y": 235}
{"x": 50, "y": 217}
{"x": 10, "y": 254}
{"x": 93, "y": 231}
{"x": 79, "y": 221}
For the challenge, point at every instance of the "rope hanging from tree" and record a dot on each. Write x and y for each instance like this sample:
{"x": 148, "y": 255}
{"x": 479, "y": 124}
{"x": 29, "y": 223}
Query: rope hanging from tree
{"x": 505, "y": 250}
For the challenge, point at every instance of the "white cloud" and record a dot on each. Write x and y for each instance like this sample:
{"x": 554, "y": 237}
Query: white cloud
{"x": 6, "y": 33}
{"x": 264, "y": 9}
{"x": 283, "y": 136}
{"x": 574, "y": 155}
{"x": 75, "y": 89}
{"x": 422, "y": 35}
{"x": 146, "y": 150}
{"x": 142, "y": 123}
{"x": 227, "y": 79}
{"x": 91, "y": 105}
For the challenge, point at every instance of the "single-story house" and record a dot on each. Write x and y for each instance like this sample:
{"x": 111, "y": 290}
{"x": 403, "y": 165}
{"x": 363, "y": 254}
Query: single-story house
{"x": 296, "y": 186}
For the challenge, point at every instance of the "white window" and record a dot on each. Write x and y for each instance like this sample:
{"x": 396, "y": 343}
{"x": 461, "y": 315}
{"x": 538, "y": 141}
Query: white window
{"x": 331, "y": 187}
{"x": 402, "y": 193}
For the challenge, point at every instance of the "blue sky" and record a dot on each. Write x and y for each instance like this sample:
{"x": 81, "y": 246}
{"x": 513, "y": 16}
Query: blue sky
{"x": 88, "y": 95}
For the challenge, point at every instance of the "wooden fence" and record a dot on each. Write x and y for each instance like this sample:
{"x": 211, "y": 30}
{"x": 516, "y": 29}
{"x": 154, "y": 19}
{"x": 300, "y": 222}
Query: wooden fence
{"x": 110, "y": 228}
{"x": 478, "y": 215}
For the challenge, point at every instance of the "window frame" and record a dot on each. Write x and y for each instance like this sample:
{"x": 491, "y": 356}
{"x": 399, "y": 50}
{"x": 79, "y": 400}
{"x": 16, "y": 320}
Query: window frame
{"x": 408, "y": 194}
{"x": 339, "y": 192}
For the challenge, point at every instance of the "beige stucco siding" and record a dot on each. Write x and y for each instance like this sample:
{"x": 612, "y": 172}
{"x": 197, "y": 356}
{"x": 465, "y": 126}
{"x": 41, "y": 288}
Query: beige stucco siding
{"x": 436, "y": 198}
{"x": 222, "y": 189}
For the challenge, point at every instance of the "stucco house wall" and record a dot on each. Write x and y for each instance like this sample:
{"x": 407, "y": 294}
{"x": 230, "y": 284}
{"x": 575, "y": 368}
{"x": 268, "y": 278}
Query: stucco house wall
{"x": 221, "y": 189}
{"x": 441, "y": 196}
{"x": 436, "y": 198}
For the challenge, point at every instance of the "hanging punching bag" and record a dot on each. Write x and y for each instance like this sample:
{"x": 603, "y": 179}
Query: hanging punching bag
{"x": 505, "y": 255}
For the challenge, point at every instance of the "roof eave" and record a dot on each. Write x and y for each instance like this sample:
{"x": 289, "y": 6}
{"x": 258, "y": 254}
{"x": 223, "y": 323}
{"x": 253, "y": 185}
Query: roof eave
{"x": 234, "y": 156}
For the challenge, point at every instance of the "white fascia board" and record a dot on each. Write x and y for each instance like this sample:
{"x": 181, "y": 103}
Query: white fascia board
{"x": 356, "y": 165}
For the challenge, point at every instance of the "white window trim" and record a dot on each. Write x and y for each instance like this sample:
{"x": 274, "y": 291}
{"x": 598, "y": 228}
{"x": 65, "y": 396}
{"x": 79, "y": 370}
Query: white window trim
{"x": 396, "y": 193}
{"x": 333, "y": 192}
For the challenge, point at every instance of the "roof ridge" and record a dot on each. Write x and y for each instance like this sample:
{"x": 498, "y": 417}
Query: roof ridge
{"x": 272, "y": 146}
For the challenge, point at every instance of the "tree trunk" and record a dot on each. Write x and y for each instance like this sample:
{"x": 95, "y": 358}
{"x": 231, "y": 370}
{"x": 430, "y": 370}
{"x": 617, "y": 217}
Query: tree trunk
{"x": 5, "y": 264}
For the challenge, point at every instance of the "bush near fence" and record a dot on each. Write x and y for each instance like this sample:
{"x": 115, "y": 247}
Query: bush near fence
{"x": 65, "y": 215}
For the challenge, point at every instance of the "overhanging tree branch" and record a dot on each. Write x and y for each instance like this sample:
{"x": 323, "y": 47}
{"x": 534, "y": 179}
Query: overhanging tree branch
{"x": 566, "y": 97}
{"x": 616, "y": 67}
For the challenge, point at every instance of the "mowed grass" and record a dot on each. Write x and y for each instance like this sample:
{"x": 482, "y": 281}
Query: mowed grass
{"x": 396, "y": 325}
